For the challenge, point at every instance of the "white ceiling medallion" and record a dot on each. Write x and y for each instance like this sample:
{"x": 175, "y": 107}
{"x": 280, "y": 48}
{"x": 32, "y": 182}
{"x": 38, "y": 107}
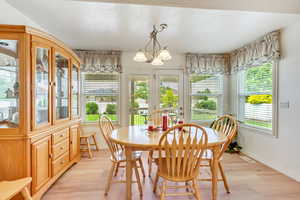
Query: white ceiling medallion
{"x": 153, "y": 52}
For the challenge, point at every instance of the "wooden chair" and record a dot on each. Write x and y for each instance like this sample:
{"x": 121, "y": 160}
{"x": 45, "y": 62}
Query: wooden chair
{"x": 8, "y": 189}
{"x": 228, "y": 126}
{"x": 180, "y": 153}
{"x": 118, "y": 157}
{"x": 85, "y": 144}
{"x": 156, "y": 118}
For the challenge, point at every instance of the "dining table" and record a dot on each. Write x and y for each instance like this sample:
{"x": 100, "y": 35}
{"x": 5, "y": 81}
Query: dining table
{"x": 138, "y": 138}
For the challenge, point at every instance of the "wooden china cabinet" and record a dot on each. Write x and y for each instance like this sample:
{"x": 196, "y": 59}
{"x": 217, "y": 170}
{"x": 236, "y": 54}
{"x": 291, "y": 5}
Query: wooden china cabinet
{"x": 39, "y": 107}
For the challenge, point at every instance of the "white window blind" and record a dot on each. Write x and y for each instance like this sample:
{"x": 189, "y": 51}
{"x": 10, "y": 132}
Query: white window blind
{"x": 206, "y": 92}
{"x": 101, "y": 94}
{"x": 255, "y": 96}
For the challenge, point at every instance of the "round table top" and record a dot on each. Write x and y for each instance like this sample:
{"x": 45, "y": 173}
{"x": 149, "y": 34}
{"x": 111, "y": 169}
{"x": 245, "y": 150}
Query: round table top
{"x": 138, "y": 136}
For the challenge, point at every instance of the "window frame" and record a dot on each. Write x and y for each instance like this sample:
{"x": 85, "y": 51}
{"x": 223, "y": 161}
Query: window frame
{"x": 261, "y": 130}
{"x": 220, "y": 99}
{"x": 83, "y": 99}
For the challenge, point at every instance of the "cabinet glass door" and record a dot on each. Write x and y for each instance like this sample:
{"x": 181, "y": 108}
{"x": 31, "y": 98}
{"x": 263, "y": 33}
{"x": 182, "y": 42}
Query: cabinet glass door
{"x": 9, "y": 84}
{"x": 62, "y": 87}
{"x": 41, "y": 86}
{"x": 75, "y": 91}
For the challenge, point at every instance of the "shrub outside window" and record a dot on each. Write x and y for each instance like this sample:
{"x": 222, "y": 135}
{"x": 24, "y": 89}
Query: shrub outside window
{"x": 256, "y": 96}
{"x": 101, "y": 96}
{"x": 206, "y": 97}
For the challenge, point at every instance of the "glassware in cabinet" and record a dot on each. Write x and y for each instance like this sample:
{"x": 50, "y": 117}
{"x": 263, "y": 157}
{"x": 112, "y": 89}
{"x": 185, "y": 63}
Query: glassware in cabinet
{"x": 9, "y": 84}
{"x": 62, "y": 86}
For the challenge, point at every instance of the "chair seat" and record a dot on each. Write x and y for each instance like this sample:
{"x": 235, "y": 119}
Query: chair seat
{"x": 9, "y": 189}
{"x": 121, "y": 157}
{"x": 208, "y": 155}
{"x": 163, "y": 172}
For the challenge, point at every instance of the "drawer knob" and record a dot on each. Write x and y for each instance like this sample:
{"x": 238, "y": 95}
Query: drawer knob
{"x": 61, "y": 148}
{"x": 61, "y": 135}
{"x": 62, "y": 162}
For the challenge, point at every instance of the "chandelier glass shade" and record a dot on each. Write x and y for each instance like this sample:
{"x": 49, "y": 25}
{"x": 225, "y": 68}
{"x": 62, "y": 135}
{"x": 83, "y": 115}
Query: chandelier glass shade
{"x": 153, "y": 52}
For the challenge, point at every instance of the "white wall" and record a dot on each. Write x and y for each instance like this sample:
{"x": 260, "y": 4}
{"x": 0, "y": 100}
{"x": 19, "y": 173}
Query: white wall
{"x": 280, "y": 153}
{"x": 10, "y": 15}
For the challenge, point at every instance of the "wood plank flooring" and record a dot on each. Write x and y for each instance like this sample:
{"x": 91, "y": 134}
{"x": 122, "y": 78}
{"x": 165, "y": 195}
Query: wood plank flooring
{"x": 248, "y": 180}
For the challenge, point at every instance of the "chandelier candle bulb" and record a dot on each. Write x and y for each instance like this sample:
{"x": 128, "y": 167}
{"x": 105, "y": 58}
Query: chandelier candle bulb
{"x": 165, "y": 54}
{"x": 140, "y": 56}
{"x": 157, "y": 61}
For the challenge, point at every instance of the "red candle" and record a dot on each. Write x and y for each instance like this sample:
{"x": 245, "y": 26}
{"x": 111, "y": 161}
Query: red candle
{"x": 165, "y": 123}
{"x": 150, "y": 128}
{"x": 180, "y": 122}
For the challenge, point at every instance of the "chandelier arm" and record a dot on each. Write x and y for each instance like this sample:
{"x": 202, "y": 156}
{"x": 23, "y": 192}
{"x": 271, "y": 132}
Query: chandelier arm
{"x": 162, "y": 27}
{"x": 154, "y": 47}
{"x": 146, "y": 49}
{"x": 159, "y": 46}
{"x": 147, "y": 45}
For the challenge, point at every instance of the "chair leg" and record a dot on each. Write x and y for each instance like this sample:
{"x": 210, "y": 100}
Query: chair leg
{"x": 155, "y": 183}
{"x": 196, "y": 190}
{"x": 25, "y": 193}
{"x": 95, "y": 142}
{"x": 110, "y": 176}
{"x": 150, "y": 159}
{"x": 210, "y": 167}
{"x": 163, "y": 191}
{"x": 81, "y": 144}
{"x": 224, "y": 178}
{"x": 117, "y": 169}
{"x": 89, "y": 148}
{"x": 141, "y": 166}
{"x": 138, "y": 178}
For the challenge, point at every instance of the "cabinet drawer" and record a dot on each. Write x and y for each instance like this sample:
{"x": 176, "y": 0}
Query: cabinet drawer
{"x": 58, "y": 164}
{"x": 60, "y": 136}
{"x": 60, "y": 148}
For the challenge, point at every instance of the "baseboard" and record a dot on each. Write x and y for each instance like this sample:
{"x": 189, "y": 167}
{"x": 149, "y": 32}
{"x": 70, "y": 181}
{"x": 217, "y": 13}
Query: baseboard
{"x": 264, "y": 162}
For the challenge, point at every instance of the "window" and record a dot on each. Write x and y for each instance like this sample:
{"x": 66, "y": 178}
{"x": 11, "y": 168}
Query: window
{"x": 256, "y": 96}
{"x": 101, "y": 96}
{"x": 206, "y": 97}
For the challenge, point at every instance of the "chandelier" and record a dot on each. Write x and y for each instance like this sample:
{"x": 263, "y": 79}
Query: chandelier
{"x": 153, "y": 52}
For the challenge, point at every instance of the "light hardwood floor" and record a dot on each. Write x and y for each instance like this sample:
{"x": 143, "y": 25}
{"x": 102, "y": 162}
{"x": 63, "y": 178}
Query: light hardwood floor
{"x": 248, "y": 180}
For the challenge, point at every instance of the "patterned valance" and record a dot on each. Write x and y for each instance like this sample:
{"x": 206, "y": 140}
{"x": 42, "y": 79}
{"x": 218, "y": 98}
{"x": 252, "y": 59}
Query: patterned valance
{"x": 261, "y": 51}
{"x": 100, "y": 61}
{"x": 207, "y": 63}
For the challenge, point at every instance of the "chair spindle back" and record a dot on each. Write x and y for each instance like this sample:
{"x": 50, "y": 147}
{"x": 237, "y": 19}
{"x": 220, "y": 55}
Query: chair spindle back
{"x": 228, "y": 126}
{"x": 106, "y": 128}
{"x": 181, "y": 149}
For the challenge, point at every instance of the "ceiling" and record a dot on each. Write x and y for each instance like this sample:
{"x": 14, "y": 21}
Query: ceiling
{"x": 289, "y": 6}
{"x": 94, "y": 25}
